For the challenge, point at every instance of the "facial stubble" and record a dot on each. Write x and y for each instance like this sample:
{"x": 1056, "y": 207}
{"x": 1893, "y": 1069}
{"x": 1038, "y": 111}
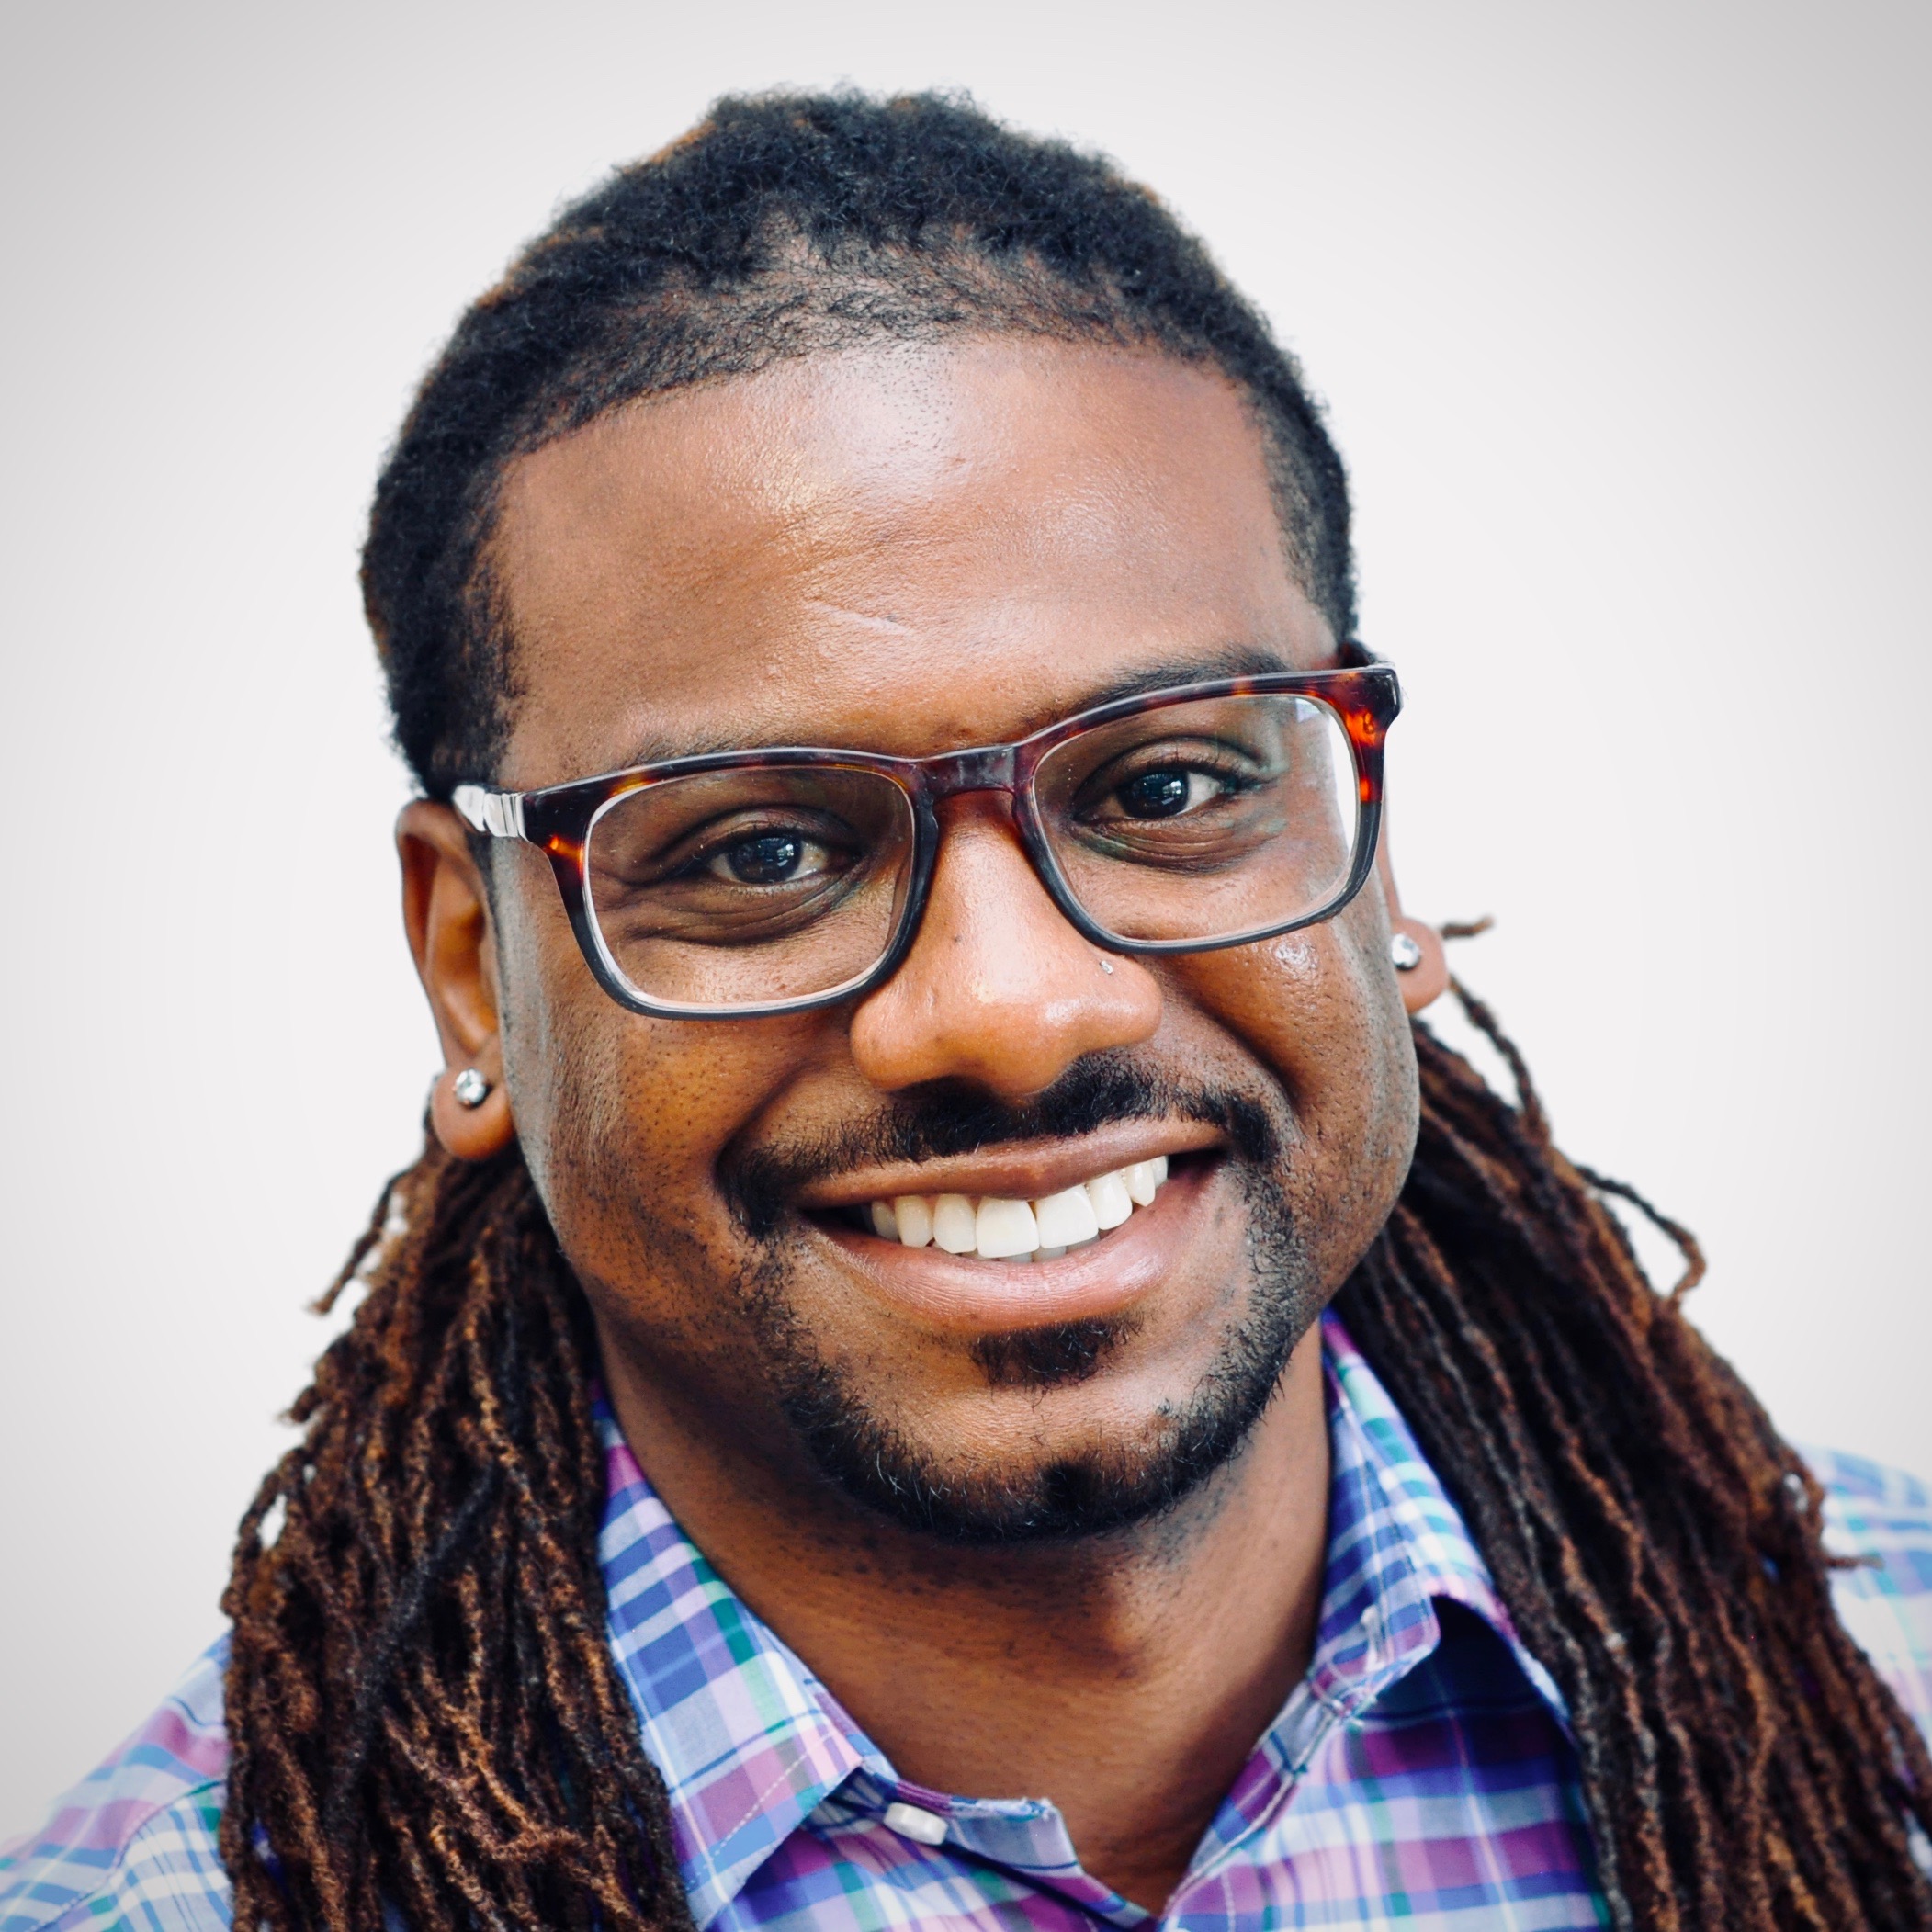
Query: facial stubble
{"x": 1100, "y": 1488}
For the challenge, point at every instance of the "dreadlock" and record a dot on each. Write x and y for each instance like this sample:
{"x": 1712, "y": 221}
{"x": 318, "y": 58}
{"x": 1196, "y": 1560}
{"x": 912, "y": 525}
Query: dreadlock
{"x": 421, "y": 1703}
{"x": 1658, "y": 1544}
{"x": 421, "y": 1696}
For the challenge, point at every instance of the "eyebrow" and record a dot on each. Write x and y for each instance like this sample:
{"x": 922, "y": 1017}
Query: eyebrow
{"x": 1229, "y": 661}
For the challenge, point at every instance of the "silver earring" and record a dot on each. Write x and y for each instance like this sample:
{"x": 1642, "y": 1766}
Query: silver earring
{"x": 1405, "y": 952}
{"x": 472, "y": 1089}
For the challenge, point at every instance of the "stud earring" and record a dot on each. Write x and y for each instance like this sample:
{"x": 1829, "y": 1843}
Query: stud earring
{"x": 471, "y": 1088}
{"x": 1405, "y": 952}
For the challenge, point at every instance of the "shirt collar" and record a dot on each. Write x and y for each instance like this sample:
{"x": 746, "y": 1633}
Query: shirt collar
{"x": 741, "y": 1732}
{"x": 1397, "y": 1546}
{"x": 750, "y": 1743}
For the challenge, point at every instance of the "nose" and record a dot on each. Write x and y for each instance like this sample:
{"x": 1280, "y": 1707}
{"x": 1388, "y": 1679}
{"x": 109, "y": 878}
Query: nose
{"x": 998, "y": 989}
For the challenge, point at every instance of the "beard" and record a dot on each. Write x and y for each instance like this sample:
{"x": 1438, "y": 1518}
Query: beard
{"x": 1101, "y": 1489}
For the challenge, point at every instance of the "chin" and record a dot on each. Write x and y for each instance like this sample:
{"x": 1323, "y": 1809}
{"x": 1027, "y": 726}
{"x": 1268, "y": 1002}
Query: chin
{"x": 1087, "y": 1468}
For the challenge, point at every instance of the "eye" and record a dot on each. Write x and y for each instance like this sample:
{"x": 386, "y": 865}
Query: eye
{"x": 1167, "y": 792}
{"x": 768, "y": 858}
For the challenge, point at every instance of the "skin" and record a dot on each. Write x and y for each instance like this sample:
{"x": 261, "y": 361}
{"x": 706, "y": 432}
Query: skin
{"x": 912, "y": 549}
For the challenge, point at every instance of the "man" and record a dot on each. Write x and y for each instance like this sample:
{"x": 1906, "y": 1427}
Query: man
{"x": 953, "y": 1359}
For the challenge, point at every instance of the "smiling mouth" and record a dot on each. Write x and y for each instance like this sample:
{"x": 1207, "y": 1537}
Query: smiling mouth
{"x": 992, "y": 1227}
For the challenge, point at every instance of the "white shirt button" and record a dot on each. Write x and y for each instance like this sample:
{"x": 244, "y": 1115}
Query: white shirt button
{"x": 914, "y": 1821}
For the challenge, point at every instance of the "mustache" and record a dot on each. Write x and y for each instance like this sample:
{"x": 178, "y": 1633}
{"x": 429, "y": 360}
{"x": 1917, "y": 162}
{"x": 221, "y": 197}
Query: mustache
{"x": 949, "y": 1117}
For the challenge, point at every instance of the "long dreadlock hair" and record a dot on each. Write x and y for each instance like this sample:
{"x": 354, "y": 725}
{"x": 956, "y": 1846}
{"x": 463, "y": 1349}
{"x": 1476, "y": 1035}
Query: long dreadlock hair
{"x": 421, "y": 1699}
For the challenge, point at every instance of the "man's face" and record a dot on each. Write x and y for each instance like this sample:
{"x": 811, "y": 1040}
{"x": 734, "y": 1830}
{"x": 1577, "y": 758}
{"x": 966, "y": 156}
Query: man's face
{"x": 909, "y": 551}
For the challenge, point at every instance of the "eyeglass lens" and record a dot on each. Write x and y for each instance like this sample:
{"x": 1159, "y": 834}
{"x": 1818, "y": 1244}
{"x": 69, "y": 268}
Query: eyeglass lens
{"x": 752, "y": 885}
{"x": 1190, "y": 822}
{"x": 1203, "y": 820}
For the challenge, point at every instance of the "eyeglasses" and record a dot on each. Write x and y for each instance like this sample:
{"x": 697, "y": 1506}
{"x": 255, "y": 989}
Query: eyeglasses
{"x": 742, "y": 883}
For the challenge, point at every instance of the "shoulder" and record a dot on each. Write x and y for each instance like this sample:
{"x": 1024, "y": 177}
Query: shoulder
{"x": 133, "y": 1844}
{"x": 1882, "y": 1519}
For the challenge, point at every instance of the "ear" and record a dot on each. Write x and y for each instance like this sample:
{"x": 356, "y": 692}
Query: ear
{"x": 1428, "y": 980}
{"x": 446, "y": 909}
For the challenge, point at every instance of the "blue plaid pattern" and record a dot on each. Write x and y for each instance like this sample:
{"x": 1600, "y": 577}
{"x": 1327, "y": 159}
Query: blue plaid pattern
{"x": 1421, "y": 1775}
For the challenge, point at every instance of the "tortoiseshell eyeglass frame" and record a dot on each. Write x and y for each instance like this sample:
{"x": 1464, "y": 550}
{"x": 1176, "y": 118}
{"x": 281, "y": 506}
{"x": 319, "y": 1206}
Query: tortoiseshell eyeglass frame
{"x": 558, "y": 819}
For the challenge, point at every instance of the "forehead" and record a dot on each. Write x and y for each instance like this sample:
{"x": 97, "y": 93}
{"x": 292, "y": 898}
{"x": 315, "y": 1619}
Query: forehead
{"x": 904, "y": 548}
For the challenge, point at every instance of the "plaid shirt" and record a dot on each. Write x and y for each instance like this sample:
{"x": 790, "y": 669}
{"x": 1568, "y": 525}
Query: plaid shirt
{"x": 1421, "y": 1775}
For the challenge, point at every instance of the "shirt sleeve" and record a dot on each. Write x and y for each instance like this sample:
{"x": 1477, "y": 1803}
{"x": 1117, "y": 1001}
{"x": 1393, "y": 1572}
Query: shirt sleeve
{"x": 1883, "y": 1519}
{"x": 134, "y": 1844}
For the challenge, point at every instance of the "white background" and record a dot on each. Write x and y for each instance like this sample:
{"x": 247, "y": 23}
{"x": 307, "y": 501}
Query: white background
{"x": 1622, "y": 314}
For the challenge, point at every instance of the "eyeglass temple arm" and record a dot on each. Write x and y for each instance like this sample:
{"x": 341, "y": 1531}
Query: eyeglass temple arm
{"x": 500, "y": 814}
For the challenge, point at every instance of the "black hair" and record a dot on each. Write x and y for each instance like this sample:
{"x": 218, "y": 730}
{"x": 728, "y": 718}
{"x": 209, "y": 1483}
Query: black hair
{"x": 787, "y": 225}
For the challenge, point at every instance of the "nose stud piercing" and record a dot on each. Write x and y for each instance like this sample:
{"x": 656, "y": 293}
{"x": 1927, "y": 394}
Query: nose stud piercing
{"x": 472, "y": 1089}
{"x": 1405, "y": 952}
{"x": 1106, "y": 965}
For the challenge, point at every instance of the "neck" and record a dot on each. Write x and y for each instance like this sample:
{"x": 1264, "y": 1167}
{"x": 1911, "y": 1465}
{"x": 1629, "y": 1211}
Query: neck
{"x": 1126, "y": 1679}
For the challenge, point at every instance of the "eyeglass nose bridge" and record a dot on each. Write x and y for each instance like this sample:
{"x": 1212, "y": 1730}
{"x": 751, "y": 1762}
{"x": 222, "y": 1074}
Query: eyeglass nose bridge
{"x": 981, "y": 768}
{"x": 948, "y": 774}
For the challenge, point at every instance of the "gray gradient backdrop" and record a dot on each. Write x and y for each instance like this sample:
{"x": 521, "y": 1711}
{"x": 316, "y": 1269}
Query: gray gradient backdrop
{"x": 1622, "y": 315}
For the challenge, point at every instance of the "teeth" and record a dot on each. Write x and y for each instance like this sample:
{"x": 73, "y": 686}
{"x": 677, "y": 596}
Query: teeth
{"x": 953, "y": 1224}
{"x": 1000, "y": 1230}
{"x": 1066, "y": 1217}
{"x": 913, "y": 1214}
{"x": 1004, "y": 1228}
{"x": 1112, "y": 1201}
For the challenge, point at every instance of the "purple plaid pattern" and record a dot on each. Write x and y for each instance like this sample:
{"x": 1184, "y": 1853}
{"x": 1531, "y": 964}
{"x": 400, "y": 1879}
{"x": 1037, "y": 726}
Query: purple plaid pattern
{"x": 134, "y": 1843}
{"x": 1421, "y": 1776}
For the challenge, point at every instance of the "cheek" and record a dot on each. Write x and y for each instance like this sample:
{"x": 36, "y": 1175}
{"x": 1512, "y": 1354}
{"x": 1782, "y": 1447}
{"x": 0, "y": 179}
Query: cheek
{"x": 622, "y": 1118}
{"x": 1320, "y": 1009}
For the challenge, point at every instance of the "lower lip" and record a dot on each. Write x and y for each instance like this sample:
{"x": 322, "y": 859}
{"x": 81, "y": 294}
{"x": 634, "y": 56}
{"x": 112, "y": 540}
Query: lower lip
{"x": 966, "y": 1296}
